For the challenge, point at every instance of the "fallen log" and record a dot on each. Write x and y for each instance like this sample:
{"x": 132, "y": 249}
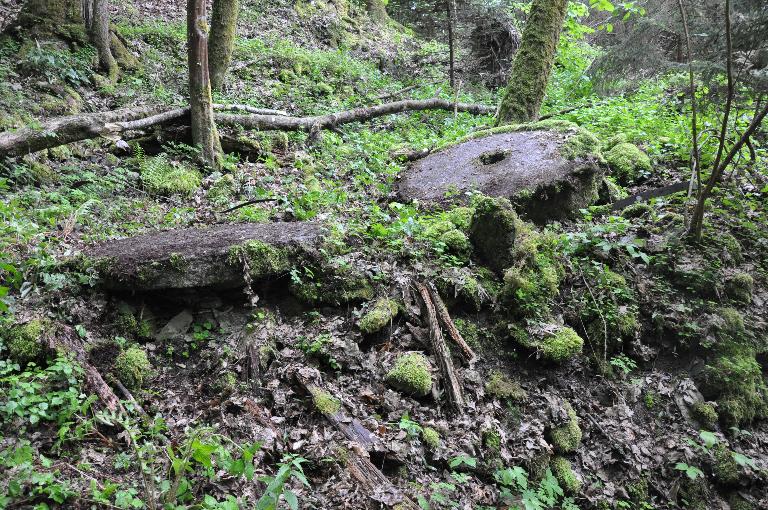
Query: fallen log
{"x": 359, "y": 464}
{"x": 75, "y": 128}
{"x": 649, "y": 194}
{"x": 453, "y": 333}
{"x": 65, "y": 339}
{"x": 441, "y": 352}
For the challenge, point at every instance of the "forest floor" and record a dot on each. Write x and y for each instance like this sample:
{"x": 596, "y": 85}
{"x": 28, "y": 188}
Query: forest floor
{"x": 226, "y": 417}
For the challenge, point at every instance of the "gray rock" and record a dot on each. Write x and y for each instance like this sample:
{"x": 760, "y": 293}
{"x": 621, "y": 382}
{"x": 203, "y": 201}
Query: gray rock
{"x": 177, "y": 326}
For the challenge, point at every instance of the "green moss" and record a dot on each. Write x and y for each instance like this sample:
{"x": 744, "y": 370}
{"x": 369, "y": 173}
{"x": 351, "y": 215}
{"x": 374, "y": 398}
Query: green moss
{"x": 378, "y": 316}
{"x": 501, "y": 387}
{"x": 731, "y": 246}
{"x": 737, "y": 378}
{"x": 411, "y": 374}
{"x": 638, "y": 491}
{"x": 614, "y": 141}
{"x": 25, "y": 341}
{"x": 705, "y": 413}
{"x": 493, "y": 231}
{"x": 177, "y": 262}
{"x": 430, "y": 437}
{"x": 566, "y": 438}
{"x": 469, "y": 331}
{"x": 325, "y": 402}
{"x": 131, "y": 367}
{"x": 222, "y": 190}
{"x": 737, "y": 502}
{"x": 461, "y": 217}
{"x": 128, "y": 325}
{"x": 739, "y": 287}
{"x": 457, "y": 243}
{"x": 637, "y": 210}
{"x": 40, "y": 173}
{"x": 627, "y": 162}
{"x": 163, "y": 177}
{"x": 724, "y": 467}
{"x": 555, "y": 345}
{"x": 561, "y": 468}
{"x": 334, "y": 284}
{"x": 608, "y": 309}
{"x": 261, "y": 259}
{"x": 538, "y": 465}
{"x": 492, "y": 442}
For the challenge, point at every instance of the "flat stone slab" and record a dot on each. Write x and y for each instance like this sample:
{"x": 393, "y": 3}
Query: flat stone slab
{"x": 525, "y": 166}
{"x": 201, "y": 256}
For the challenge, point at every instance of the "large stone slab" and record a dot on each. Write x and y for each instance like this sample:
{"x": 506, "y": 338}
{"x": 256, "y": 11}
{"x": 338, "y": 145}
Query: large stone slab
{"x": 219, "y": 256}
{"x": 547, "y": 174}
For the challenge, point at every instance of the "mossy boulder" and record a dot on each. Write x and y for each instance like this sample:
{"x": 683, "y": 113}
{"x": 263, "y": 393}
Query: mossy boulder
{"x": 627, "y": 162}
{"x": 411, "y": 374}
{"x": 724, "y": 466}
{"x": 493, "y": 231}
{"x": 378, "y": 316}
{"x": 561, "y": 468}
{"x": 132, "y": 367}
{"x": 25, "y": 342}
{"x": 739, "y": 287}
{"x": 553, "y": 343}
{"x": 566, "y": 438}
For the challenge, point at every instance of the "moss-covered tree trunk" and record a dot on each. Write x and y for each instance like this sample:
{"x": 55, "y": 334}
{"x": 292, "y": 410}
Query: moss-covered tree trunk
{"x": 222, "y": 40}
{"x": 533, "y": 62}
{"x": 204, "y": 133}
{"x": 102, "y": 37}
{"x": 377, "y": 10}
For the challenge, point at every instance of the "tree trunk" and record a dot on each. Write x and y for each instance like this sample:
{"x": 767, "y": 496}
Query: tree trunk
{"x": 377, "y": 10}
{"x": 102, "y": 38}
{"x": 221, "y": 42}
{"x": 533, "y": 62}
{"x": 450, "y": 8}
{"x": 204, "y": 133}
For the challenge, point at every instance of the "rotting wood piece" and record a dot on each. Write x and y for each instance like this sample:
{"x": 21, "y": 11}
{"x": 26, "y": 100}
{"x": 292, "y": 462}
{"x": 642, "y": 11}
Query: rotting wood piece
{"x": 359, "y": 464}
{"x": 441, "y": 352}
{"x": 66, "y": 339}
{"x": 445, "y": 319}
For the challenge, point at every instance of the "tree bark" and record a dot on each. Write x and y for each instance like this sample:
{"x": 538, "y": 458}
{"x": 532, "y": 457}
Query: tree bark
{"x": 222, "y": 40}
{"x": 453, "y": 332}
{"x": 451, "y": 55}
{"x": 533, "y": 62}
{"x": 377, "y": 10}
{"x": 102, "y": 38}
{"x": 74, "y": 128}
{"x": 204, "y": 133}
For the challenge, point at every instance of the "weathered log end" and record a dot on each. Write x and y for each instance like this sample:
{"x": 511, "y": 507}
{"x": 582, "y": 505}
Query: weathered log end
{"x": 549, "y": 170}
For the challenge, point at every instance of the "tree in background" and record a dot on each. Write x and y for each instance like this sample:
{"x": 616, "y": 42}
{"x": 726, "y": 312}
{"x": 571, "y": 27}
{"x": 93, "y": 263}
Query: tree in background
{"x": 204, "y": 133}
{"x": 101, "y": 37}
{"x": 377, "y": 10}
{"x": 222, "y": 39}
{"x": 533, "y": 62}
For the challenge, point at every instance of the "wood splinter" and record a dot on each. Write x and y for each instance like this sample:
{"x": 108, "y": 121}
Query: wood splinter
{"x": 453, "y": 333}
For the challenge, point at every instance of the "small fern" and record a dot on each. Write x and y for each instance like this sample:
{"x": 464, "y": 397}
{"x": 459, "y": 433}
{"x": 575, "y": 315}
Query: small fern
{"x": 163, "y": 177}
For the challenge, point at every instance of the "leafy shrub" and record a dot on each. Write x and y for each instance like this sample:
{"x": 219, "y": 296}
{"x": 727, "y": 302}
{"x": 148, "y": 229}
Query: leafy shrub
{"x": 163, "y": 177}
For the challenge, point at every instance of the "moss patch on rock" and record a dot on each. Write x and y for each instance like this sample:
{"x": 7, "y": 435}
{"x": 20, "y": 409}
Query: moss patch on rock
{"x": 25, "y": 341}
{"x": 378, "y": 316}
{"x": 411, "y": 374}
{"x": 705, "y": 414}
{"x": 552, "y": 343}
{"x": 627, "y": 162}
{"x": 739, "y": 287}
{"x": 131, "y": 367}
{"x": 430, "y": 437}
{"x": 325, "y": 402}
{"x": 501, "y": 387}
{"x": 261, "y": 260}
{"x": 493, "y": 231}
{"x": 724, "y": 466}
{"x": 561, "y": 468}
{"x": 566, "y": 438}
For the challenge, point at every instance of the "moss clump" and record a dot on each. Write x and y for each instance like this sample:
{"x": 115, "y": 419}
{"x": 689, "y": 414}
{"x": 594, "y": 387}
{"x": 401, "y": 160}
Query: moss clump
{"x": 493, "y": 231}
{"x": 461, "y": 217}
{"x": 561, "y": 468}
{"x": 163, "y": 177}
{"x": 430, "y": 437}
{"x": 128, "y": 325}
{"x": 492, "y": 442}
{"x": 262, "y": 260}
{"x": 131, "y": 367}
{"x": 457, "y": 243}
{"x": 501, "y": 387}
{"x": 614, "y": 141}
{"x": 637, "y": 210}
{"x": 627, "y": 162}
{"x": 705, "y": 413}
{"x": 695, "y": 494}
{"x": 334, "y": 284}
{"x": 411, "y": 374}
{"x": 378, "y": 316}
{"x": 557, "y": 345}
{"x": 566, "y": 438}
{"x": 25, "y": 341}
{"x": 724, "y": 467}
{"x": 739, "y": 287}
{"x": 325, "y": 402}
